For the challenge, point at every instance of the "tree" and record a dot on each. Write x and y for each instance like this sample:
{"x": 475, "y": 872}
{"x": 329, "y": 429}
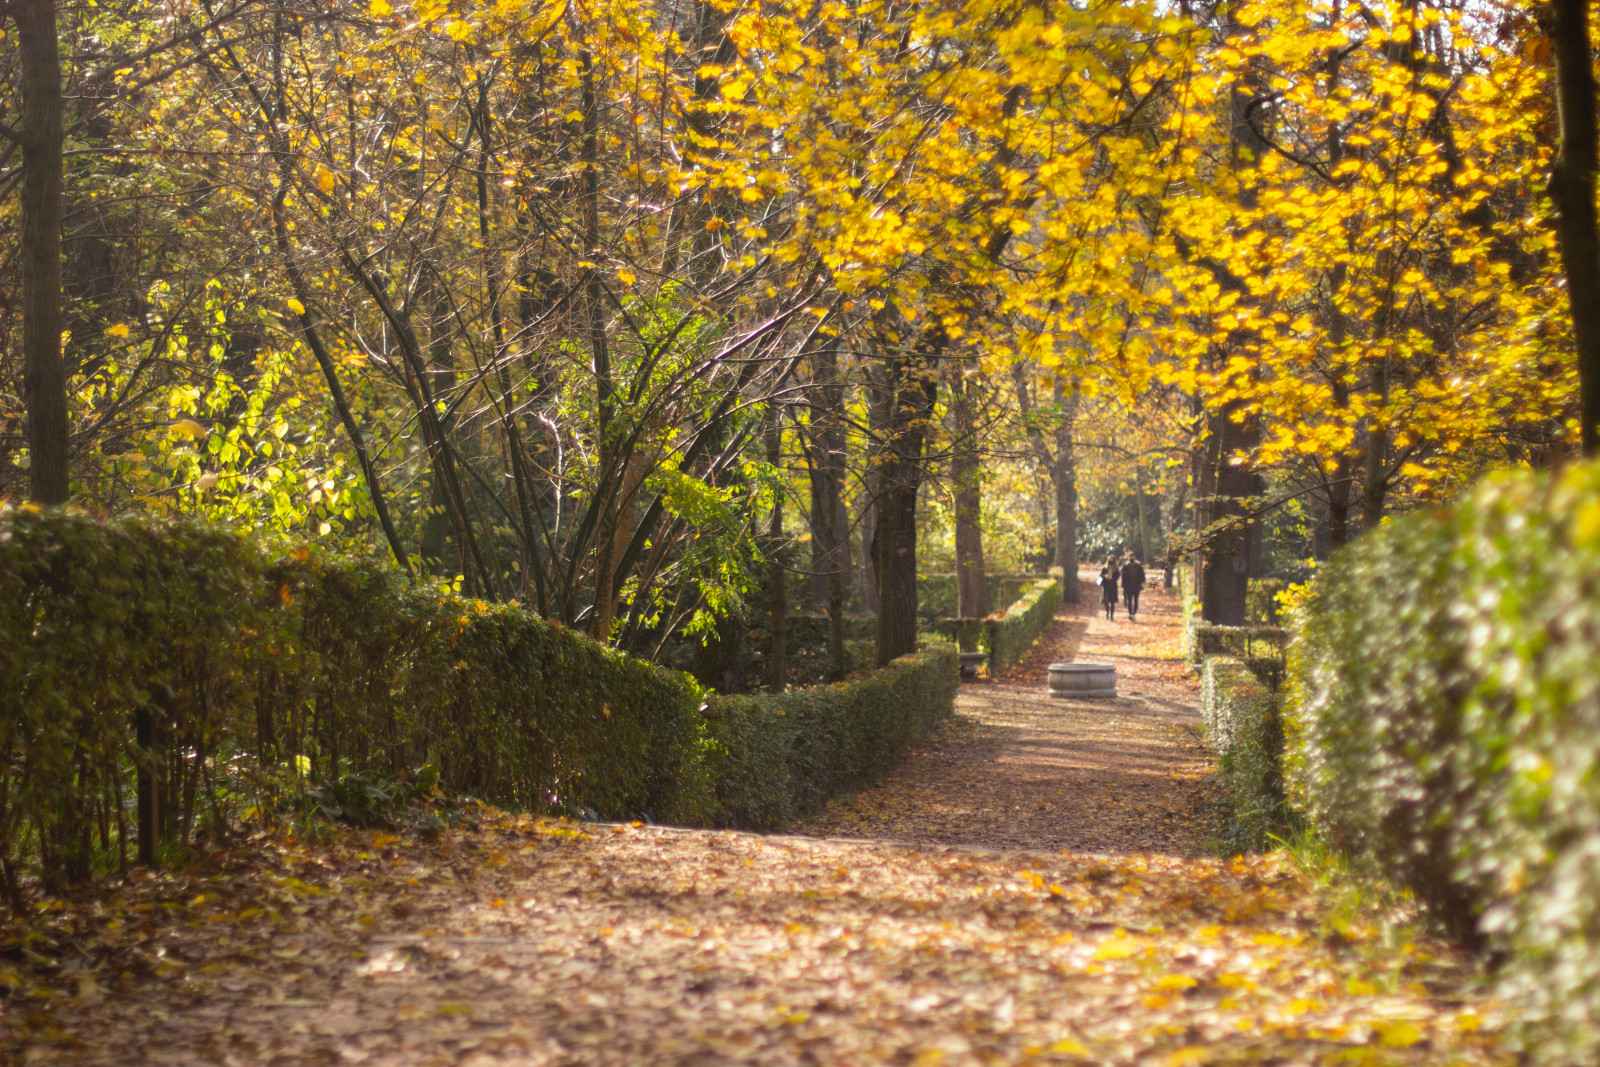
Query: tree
{"x": 1572, "y": 187}
{"x": 39, "y": 134}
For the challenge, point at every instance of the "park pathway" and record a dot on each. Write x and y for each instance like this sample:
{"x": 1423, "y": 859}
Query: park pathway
{"x": 1018, "y": 769}
{"x": 1025, "y": 889}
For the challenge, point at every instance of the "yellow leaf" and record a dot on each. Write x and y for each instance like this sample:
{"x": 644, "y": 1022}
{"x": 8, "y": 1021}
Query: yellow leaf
{"x": 626, "y": 276}
{"x": 380, "y": 8}
{"x": 1399, "y": 1034}
{"x": 1172, "y": 983}
{"x": 295, "y": 306}
{"x": 1118, "y": 948}
{"x": 1069, "y": 1047}
{"x": 190, "y": 429}
{"x": 325, "y": 179}
{"x": 119, "y": 330}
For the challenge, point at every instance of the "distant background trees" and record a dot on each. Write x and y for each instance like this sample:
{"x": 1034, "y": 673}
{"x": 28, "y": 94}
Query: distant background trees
{"x": 652, "y": 314}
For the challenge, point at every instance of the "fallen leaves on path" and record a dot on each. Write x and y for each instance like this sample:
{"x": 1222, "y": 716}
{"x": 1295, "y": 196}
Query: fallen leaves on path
{"x": 541, "y": 942}
{"x": 1017, "y": 768}
{"x": 535, "y": 942}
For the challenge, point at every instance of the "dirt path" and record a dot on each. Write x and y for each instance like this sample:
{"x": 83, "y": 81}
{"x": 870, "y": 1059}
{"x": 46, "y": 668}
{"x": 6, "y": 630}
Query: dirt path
{"x": 534, "y": 942}
{"x": 1018, "y": 769}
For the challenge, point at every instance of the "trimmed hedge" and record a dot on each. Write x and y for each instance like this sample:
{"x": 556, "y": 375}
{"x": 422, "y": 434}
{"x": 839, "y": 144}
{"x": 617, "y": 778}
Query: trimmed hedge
{"x": 781, "y": 756}
{"x": 1244, "y": 726}
{"x": 1010, "y": 635}
{"x": 1445, "y": 727}
{"x": 1202, "y": 639}
{"x": 314, "y": 669}
{"x": 936, "y": 593}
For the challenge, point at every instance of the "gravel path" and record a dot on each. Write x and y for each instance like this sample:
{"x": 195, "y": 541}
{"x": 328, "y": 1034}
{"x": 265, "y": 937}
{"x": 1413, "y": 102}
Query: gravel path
{"x": 1018, "y": 769}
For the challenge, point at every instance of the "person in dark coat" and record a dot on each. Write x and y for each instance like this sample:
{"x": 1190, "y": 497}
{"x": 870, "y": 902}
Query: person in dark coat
{"x": 1108, "y": 587}
{"x": 1132, "y": 584}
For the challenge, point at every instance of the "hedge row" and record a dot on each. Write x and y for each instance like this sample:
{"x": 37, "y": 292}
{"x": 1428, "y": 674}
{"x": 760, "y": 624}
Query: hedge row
{"x": 1202, "y": 639}
{"x": 781, "y": 756}
{"x": 1445, "y": 726}
{"x": 1010, "y": 635}
{"x": 1241, "y": 707}
{"x": 936, "y": 593}
{"x": 245, "y": 665}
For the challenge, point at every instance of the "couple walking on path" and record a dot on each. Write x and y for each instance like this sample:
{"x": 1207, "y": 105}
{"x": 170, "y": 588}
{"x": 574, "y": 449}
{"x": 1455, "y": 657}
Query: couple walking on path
{"x": 1130, "y": 575}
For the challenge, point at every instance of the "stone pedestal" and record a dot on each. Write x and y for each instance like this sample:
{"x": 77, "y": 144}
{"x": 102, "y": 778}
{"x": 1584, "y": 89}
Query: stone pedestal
{"x": 1083, "y": 681}
{"x": 970, "y": 662}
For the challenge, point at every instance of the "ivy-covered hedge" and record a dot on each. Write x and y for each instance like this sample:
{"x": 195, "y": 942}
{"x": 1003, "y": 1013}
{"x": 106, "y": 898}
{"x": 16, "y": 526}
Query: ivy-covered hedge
{"x": 1240, "y": 705}
{"x": 777, "y": 757}
{"x": 1445, "y": 726}
{"x": 249, "y": 668}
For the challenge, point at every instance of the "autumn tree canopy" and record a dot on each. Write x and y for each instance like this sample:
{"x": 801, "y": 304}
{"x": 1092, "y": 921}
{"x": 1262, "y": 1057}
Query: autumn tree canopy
{"x": 561, "y": 303}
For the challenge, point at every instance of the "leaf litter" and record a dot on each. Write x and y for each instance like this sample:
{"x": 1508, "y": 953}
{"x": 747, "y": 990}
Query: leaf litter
{"x": 539, "y": 941}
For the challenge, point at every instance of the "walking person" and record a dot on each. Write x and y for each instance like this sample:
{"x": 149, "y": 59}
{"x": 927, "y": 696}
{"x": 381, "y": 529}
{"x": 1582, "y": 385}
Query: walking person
{"x": 1108, "y": 587}
{"x": 1132, "y": 584}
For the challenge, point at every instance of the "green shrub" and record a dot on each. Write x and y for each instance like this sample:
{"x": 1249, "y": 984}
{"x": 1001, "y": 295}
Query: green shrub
{"x": 777, "y": 757}
{"x": 334, "y": 680}
{"x": 1445, "y": 727}
{"x": 1244, "y": 727}
{"x": 1009, "y": 636}
{"x": 1202, "y": 639}
{"x": 936, "y": 593}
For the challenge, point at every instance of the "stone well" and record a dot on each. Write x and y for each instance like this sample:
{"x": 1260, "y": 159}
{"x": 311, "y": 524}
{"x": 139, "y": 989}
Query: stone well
{"x": 1083, "y": 681}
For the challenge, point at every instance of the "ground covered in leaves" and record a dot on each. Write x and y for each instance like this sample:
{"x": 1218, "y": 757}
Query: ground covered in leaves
{"x": 1018, "y": 769}
{"x": 533, "y": 942}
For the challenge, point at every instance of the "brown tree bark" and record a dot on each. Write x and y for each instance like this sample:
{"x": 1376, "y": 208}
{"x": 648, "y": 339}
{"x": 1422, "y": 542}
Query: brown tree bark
{"x": 830, "y": 523}
{"x": 972, "y": 587}
{"x": 1065, "y": 472}
{"x": 40, "y": 135}
{"x": 1573, "y": 188}
{"x": 869, "y": 550}
{"x": 778, "y": 655}
{"x": 1062, "y": 466}
{"x": 1229, "y": 555}
{"x": 905, "y": 392}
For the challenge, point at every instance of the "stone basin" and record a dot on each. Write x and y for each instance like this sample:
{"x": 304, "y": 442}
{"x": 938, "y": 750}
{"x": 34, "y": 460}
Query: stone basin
{"x": 1083, "y": 681}
{"x": 970, "y": 662}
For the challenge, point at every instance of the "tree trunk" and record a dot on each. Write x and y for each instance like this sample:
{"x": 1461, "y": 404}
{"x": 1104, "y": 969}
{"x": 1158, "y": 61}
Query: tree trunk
{"x": 44, "y": 375}
{"x": 830, "y": 524}
{"x": 1144, "y": 525}
{"x": 904, "y": 401}
{"x": 972, "y": 587}
{"x": 1230, "y": 556}
{"x": 777, "y": 657}
{"x": 1065, "y": 473}
{"x": 869, "y": 550}
{"x": 1169, "y": 560}
{"x": 1375, "y": 482}
{"x": 440, "y": 556}
{"x": 1573, "y": 189}
{"x": 599, "y": 347}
